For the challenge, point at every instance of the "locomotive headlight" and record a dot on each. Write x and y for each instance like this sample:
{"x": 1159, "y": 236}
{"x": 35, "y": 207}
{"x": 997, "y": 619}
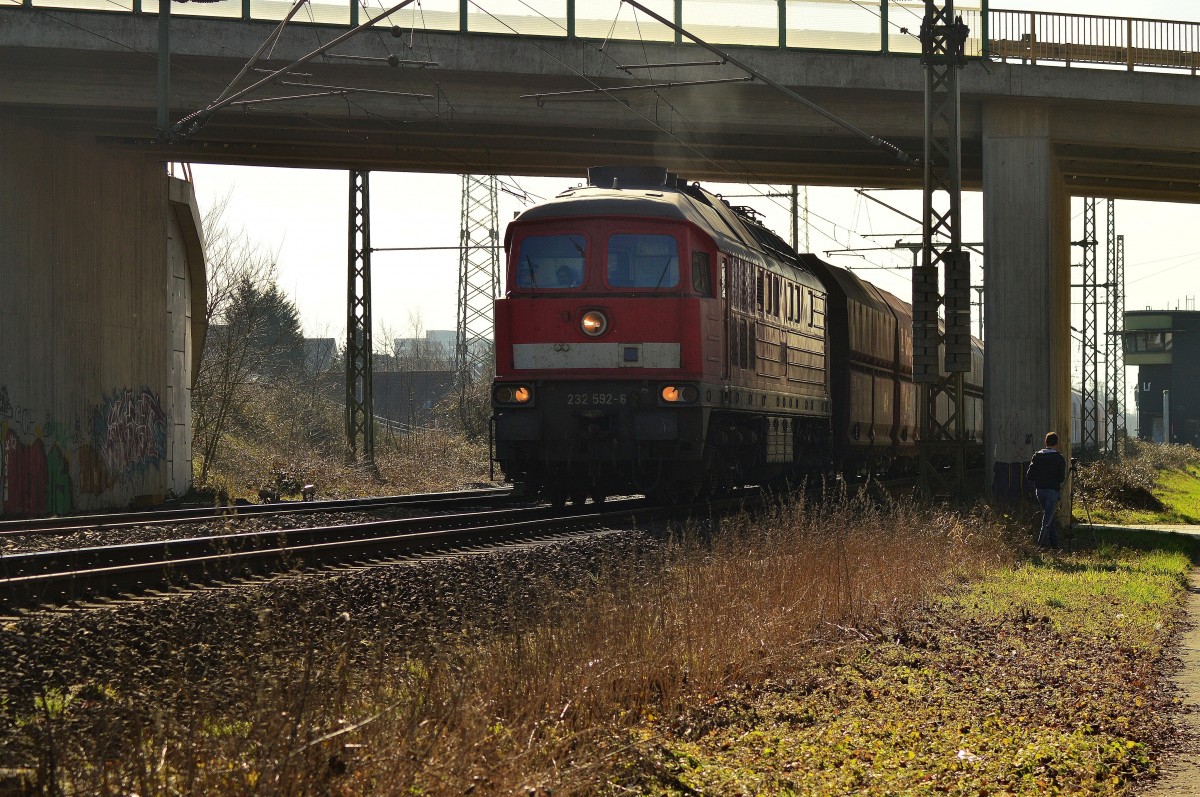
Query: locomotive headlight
{"x": 593, "y": 323}
{"x": 679, "y": 394}
{"x": 512, "y": 394}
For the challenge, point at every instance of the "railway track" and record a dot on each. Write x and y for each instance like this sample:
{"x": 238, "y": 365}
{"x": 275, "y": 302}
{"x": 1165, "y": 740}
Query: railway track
{"x": 49, "y": 578}
{"x": 66, "y": 577}
{"x": 67, "y": 524}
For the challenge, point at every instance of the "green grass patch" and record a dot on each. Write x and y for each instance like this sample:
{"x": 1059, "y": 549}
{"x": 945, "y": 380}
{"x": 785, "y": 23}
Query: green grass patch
{"x": 1180, "y": 492}
{"x": 1034, "y": 679}
{"x": 1177, "y": 490}
{"x": 1153, "y": 484}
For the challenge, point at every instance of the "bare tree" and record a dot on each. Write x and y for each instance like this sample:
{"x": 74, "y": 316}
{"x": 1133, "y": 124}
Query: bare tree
{"x": 254, "y": 331}
{"x": 418, "y": 352}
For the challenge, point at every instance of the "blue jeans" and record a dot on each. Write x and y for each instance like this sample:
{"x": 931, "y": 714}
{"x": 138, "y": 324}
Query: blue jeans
{"x": 1049, "y": 501}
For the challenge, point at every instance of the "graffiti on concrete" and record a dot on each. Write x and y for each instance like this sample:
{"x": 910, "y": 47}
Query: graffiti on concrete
{"x": 24, "y": 476}
{"x": 41, "y": 464}
{"x": 129, "y": 430}
{"x": 35, "y": 466}
{"x": 32, "y": 469}
{"x": 93, "y": 475}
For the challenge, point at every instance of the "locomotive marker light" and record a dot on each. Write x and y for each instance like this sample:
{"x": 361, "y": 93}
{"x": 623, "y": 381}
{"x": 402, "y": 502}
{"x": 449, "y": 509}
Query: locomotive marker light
{"x": 594, "y": 323}
{"x": 513, "y": 394}
{"x": 679, "y": 394}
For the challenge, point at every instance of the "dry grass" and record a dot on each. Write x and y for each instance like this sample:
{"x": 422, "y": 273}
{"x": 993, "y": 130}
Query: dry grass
{"x": 1030, "y": 680}
{"x": 287, "y": 440}
{"x": 326, "y": 697}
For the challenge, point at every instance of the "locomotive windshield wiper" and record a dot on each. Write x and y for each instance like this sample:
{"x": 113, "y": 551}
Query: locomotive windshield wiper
{"x": 532, "y": 274}
{"x": 663, "y": 275}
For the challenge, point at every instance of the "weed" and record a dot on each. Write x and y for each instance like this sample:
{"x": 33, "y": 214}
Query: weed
{"x": 876, "y": 648}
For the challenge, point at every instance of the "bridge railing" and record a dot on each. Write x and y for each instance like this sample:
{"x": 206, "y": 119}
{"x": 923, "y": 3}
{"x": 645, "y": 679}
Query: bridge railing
{"x": 1033, "y": 37}
{"x": 884, "y": 26}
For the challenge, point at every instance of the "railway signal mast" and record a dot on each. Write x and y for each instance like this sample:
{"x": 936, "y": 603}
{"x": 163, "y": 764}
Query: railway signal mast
{"x": 942, "y": 443}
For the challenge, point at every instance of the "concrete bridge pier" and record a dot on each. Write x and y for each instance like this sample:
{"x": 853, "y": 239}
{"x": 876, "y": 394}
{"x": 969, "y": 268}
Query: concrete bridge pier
{"x": 102, "y": 316}
{"x": 1027, "y": 292}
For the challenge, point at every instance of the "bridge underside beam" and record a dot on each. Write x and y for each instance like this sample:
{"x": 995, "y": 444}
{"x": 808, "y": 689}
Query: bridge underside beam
{"x": 495, "y": 104}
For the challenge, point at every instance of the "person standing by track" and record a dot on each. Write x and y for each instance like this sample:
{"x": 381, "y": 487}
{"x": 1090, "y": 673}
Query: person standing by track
{"x": 1046, "y": 472}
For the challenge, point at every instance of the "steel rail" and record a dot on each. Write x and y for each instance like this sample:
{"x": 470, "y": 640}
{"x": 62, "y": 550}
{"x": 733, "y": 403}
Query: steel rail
{"x": 204, "y": 513}
{"x": 61, "y": 577}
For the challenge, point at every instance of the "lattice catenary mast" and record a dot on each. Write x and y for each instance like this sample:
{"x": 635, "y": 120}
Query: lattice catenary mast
{"x": 1089, "y": 355}
{"x": 478, "y": 277}
{"x": 1115, "y": 410}
{"x": 360, "y": 426}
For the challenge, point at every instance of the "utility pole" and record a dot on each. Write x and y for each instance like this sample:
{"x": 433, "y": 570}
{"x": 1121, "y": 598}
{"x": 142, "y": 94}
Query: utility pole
{"x": 799, "y": 215}
{"x": 942, "y": 444}
{"x": 360, "y": 415}
{"x": 795, "y": 218}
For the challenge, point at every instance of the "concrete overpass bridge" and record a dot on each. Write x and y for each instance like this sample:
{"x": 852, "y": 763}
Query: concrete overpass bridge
{"x": 82, "y": 177}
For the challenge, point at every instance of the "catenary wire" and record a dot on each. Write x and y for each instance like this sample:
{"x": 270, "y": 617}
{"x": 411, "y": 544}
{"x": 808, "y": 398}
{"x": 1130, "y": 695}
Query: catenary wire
{"x": 471, "y": 166}
{"x": 687, "y": 145}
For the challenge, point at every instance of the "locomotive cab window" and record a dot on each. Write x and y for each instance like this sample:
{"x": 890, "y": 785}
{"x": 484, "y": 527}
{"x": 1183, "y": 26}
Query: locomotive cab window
{"x": 642, "y": 261}
{"x": 551, "y": 261}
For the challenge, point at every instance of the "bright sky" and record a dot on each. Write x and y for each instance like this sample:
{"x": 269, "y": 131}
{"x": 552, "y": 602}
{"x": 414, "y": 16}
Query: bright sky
{"x": 302, "y": 215}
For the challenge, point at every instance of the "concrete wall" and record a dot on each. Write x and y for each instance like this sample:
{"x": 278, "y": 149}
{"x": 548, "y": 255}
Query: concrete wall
{"x": 98, "y": 274}
{"x": 185, "y": 321}
{"x": 1026, "y": 212}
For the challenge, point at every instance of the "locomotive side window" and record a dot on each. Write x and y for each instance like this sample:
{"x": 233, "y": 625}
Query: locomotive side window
{"x": 643, "y": 261}
{"x": 701, "y": 282}
{"x": 816, "y": 310}
{"x": 551, "y": 261}
{"x": 740, "y": 281}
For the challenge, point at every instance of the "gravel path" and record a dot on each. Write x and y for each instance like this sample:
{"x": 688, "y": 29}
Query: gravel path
{"x": 1181, "y": 769}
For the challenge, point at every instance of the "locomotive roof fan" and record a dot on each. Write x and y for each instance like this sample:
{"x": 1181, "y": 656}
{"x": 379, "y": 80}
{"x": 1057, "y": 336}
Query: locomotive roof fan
{"x": 631, "y": 176}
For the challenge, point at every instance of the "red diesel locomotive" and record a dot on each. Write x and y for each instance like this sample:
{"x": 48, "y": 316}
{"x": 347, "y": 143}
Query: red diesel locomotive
{"x": 654, "y": 339}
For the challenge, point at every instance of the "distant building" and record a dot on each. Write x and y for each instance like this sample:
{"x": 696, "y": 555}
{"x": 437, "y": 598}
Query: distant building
{"x": 319, "y": 354}
{"x": 408, "y": 398}
{"x": 446, "y": 338}
{"x": 1165, "y": 345}
{"x": 435, "y": 351}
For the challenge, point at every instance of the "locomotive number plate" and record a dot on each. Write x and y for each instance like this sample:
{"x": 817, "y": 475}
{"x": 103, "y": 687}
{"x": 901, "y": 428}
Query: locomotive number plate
{"x": 596, "y": 399}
